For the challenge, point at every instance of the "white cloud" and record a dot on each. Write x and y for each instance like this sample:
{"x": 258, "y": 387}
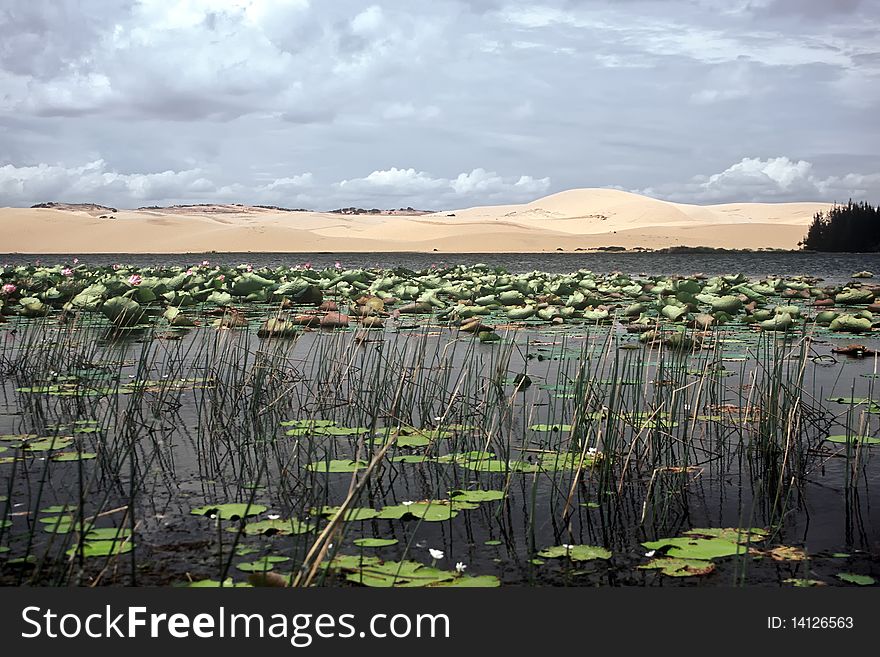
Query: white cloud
{"x": 97, "y": 182}
{"x": 773, "y": 179}
{"x": 31, "y": 184}
{"x": 394, "y": 181}
{"x": 478, "y": 186}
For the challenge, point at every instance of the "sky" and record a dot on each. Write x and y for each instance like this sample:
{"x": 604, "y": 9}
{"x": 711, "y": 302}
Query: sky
{"x": 437, "y": 104}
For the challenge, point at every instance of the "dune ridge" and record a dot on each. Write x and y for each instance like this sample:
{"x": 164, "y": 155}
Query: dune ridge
{"x": 569, "y": 220}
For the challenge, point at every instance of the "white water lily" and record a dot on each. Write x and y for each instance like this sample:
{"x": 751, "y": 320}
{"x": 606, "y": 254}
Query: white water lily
{"x": 460, "y": 567}
{"x": 650, "y": 553}
{"x": 408, "y": 503}
{"x": 273, "y": 516}
{"x": 435, "y": 554}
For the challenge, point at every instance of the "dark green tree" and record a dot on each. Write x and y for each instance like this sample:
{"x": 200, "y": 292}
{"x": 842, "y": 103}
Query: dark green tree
{"x": 854, "y": 227}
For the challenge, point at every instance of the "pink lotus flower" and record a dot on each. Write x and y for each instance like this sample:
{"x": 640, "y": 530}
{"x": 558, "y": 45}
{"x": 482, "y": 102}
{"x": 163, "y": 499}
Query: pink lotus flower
{"x": 8, "y": 289}
{"x": 338, "y": 265}
{"x": 67, "y": 271}
{"x": 221, "y": 278}
{"x": 249, "y": 268}
{"x": 308, "y": 265}
{"x": 205, "y": 263}
{"x": 134, "y": 279}
{"x": 76, "y": 261}
{"x": 116, "y": 266}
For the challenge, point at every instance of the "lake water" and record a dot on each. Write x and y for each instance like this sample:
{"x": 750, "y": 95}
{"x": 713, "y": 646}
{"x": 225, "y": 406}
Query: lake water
{"x": 833, "y": 267}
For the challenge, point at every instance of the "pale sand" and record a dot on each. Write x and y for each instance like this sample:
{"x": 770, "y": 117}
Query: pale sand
{"x": 582, "y": 218}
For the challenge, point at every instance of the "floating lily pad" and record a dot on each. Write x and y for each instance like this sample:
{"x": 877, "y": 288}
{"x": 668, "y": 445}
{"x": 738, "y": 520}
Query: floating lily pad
{"x": 680, "y": 567}
{"x": 787, "y": 553}
{"x": 232, "y": 511}
{"x": 554, "y": 462}
{"x": 58, "y": 508}
{"x": 73, "y": 456}
{"x": 375, "y": 542}
{"x": 476, "y": 496}
{"x": 279, "y": 526}
{"x": 404, "y": 574}
{"x": 108, "y": 534}
{"x": 411, "y": 458}
{"x": 575, "y": 552}
{"x": 696, "y": 548}
{"x": 353, "y": 514}
{"x": 336, "y": 466}
{"x": 468, "y": 581}
{"x": 48, "y": 444}
{"x": 550, "y": 428}
{"x": 216, "y": 584}
{"x": 58, "y": 524}
{"x": 433, "y": 511}
{"x": 803, "y": 583}
{"x": 854, "y": 440}
{"x": 732, "y": 534}
{"x": 102, "y": 548}
{"x": 852, "y": 578}
{"x": 261, "y": 565}
{"x": 307, "y": 424}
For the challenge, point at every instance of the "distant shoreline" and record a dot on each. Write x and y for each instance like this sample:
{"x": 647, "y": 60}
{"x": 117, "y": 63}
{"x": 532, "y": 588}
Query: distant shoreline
{"x": 582, "y": 220}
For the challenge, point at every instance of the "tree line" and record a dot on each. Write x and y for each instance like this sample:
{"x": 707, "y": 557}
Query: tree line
{"x": 854, "y": 227}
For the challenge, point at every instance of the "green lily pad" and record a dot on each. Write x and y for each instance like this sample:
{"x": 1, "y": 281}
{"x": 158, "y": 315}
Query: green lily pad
{"x": 336, "y": 466}
{"x": 732, "y": 534}
{"x": 854, "y": 440}
{"x": 575, "y": 552}
{"x": 282, "y": 527}
{"x": 216, "y": 584}
{"x": 353, "y": 561}
{"x": 58, "y": 508}
{"x": 375, "y": 542}
{"x": 58, "y": 524}
{"x": 48, "y": 444}
{"x": 108, "y": 534}
{"x": 433, "y": 511}
{"x": 404, "y": 574}
{"x": 411, "y": 458}
{"x": 102, "y": 548}
{"x": 550, "y": 428}
{"x": 852, "y": 578}
{"x": 73, "y": 456}
{"x": 470, "y": 581}
{"x": 353, "y": 514}
{"x": 696, "y": 548}
{"x": 232, "y": 511}
{"x": 679, "y": 567}
{"x": 261, "y": 565}
{"x": 803, "y": 583}
{"x": 476, "y": 496}
{"x": 307, "y": 424}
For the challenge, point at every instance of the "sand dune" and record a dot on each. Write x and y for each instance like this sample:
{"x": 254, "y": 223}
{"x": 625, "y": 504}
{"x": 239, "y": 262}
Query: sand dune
{"x": 574, "y": 219}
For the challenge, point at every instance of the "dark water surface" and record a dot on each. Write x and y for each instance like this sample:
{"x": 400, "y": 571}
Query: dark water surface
{"x": 170, "y": 450}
